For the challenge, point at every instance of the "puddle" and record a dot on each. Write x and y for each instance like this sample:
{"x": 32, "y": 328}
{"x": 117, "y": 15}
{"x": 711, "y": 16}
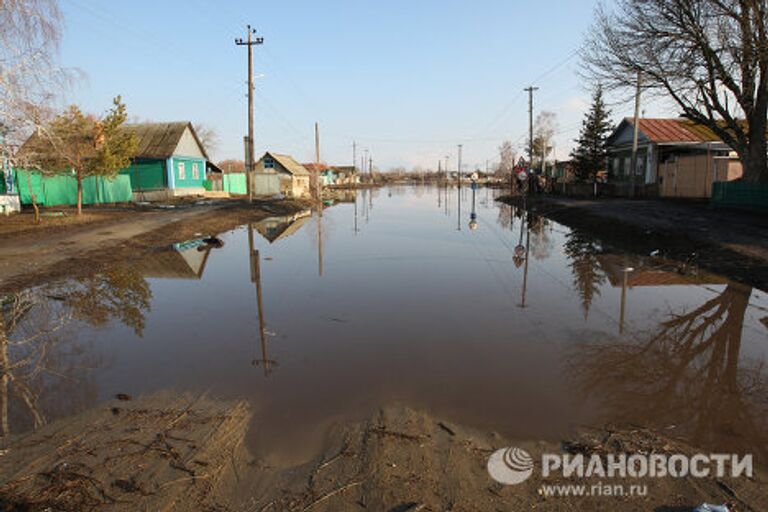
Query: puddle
{"x": 476, "y": 311}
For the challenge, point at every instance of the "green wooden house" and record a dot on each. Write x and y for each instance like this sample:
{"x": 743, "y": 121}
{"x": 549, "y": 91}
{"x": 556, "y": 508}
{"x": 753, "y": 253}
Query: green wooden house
{"x": 170, "y": 161}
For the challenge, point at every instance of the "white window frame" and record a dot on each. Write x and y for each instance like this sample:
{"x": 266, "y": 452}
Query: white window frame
{"x": 195, "y": 171}
{"x": 182, "y": 171}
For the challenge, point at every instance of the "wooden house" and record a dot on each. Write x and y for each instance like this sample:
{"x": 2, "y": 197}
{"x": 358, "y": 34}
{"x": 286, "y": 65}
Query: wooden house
{"x": 280, "y": 174}
{"x": 676, "y": 157}
{"x": 170, "y": 161}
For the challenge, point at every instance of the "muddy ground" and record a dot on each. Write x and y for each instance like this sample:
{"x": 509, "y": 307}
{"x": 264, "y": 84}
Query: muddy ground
{"x": 166, "y": 452}
{"x": 726, "y": 242}
{"x": 65, "y": 247}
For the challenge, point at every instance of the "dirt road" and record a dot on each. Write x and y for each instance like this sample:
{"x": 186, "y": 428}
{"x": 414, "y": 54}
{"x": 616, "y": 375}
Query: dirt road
{"x": 39, "y": 255}
{"x": 729, "y": 243}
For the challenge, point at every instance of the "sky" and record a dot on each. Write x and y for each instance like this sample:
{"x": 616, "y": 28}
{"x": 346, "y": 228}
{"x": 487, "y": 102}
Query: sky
{"x": 406, "y": 80}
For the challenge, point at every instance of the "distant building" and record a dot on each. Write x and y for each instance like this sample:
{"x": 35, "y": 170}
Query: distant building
{"x": 280, "y": 174}
{"x": 676, "y": 157}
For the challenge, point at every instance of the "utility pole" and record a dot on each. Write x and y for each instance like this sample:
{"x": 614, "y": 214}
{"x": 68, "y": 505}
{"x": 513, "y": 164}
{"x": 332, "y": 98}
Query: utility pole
{"x": 633, "y": 163}
{"x": 317, "y": 161}
{"x": 250, "y": 43}
{"x": 530, "y": 90}
{"x": 354, "y": 156}
{"x": 459, "y": 171}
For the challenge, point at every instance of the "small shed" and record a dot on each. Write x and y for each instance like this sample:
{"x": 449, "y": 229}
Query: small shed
{"x": 277, "y": 173}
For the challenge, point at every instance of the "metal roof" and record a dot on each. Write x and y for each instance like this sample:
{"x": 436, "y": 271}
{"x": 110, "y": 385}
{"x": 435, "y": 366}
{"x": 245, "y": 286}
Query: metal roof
{"x": 155, "y": 140}
{"x": 289, "y": 164}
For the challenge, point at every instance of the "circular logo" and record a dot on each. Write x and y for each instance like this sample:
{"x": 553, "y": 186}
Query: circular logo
{"x": 510, "y": 466}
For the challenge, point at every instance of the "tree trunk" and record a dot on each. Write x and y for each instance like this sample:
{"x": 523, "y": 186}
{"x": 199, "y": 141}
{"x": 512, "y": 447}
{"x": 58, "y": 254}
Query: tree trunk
{"x": 755, "y": 159}
{"x": 79, "y": 193}
{"x": 4, "y": 380}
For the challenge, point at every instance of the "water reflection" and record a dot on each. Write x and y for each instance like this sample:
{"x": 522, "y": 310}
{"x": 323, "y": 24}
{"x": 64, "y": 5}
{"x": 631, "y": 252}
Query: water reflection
{"x": 391, "y": 314}
{"x": 280, "y": 227}
{"x": 44, "y": 368}
{"x": 688, "y": 373}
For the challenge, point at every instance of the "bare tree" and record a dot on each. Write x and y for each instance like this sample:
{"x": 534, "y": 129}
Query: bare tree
{"x": 30, "y": 32}
{"x": 208, "y": 136}
{"x": 709, "y": 56}
{"x": 506, "y": 159}
{"x": 543, "y": 133}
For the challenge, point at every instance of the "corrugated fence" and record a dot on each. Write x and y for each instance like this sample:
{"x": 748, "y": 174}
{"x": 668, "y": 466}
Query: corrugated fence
{"x": 62, "y": 190}
{"x": 741, "y": 195}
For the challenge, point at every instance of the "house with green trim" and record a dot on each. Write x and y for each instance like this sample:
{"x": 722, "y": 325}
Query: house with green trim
{"x": 170, "y": 161}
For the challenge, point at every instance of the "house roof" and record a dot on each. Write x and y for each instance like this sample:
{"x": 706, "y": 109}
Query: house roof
{"x": 312, "y": 167}
{"x": 671, "y": 130}
{"x": 160, "y": 140}
{"x": 155, "y": 140}
{"x": 289, "y": 164}
{"x": 277, "y": 228}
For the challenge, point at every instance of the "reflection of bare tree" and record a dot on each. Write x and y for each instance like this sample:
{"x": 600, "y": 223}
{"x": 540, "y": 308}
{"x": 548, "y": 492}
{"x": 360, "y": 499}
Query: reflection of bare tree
{"x": 120, "y": 293}
{"x": 687, "y": 371}
{"x": 541, "y": 237}
{"x": 588, "y": 276}
{"x": 28, "y": 335}
{"x": 42, "y": 366}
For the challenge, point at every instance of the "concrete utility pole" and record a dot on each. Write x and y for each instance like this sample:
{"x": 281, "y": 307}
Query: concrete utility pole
{"x": 530, "y": 90}
{"x": 633, "y": 163}
{"x": 250, "y": 43}
{"x": 354, "y": 156}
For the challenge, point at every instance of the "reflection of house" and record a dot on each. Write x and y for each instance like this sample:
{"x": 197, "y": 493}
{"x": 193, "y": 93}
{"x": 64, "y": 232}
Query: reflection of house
{"x": 280, "y": 174}
{"x": 682, "y": 157}
{"x": 651, "y": 273}
{"x": 278, "y": 228}
{"x": 185, "y": 260}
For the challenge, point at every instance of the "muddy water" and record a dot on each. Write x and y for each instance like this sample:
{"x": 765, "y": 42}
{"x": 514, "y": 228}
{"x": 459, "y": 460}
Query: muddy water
{"x": 485, "y": 314}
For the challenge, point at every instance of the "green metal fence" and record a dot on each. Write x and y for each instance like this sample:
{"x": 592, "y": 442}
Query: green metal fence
{"x": 741, "y": 195}
{"x": 235, "y": 183}
{"x": 62, "y": 190}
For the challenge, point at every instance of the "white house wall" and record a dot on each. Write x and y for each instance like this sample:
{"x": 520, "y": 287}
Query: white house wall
{"x": 188, "y": 146}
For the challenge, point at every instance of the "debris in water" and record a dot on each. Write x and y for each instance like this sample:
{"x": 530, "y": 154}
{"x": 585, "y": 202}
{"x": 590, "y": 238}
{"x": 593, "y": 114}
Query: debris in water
{"x": 123, "y": 397}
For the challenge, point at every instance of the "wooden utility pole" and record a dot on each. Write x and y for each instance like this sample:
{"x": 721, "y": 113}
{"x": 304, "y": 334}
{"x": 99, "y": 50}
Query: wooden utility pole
{"x": 250, "y": 161}
{"x": 633, "y": 163}
{"x": 317, "y": 162}
{"x": 254, "y": 256}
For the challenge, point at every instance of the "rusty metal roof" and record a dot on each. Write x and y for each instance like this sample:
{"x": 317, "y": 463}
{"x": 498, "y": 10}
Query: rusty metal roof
{"x": 674, "y": 130}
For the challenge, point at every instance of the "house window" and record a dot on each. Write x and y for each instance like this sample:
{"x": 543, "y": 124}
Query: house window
{"x": 269, "y": 163}
{"x": 195, "y": 171}
{"x": 182, "y": 171}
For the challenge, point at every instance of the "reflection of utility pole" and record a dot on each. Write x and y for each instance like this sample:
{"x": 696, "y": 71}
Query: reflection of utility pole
{"x": 527, "y": 254}
{"x": 625, "y": 278}
{"x": 320, "y": 238}
{"x": 250, "y": 149}
{"x": 355, "y": 193}
{"x": 458, "y": 189}
{"x": 254, "y": 257}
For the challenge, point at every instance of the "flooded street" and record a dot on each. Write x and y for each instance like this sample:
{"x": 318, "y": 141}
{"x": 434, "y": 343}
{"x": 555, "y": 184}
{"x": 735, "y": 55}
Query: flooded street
{"x": 487, "y": 315}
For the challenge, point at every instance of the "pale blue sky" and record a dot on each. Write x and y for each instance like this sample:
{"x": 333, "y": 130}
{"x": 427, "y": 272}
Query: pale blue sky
{"x": 406, "y": 79}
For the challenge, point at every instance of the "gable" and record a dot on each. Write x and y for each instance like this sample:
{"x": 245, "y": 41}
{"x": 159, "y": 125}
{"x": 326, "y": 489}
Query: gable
{"x": 625, "y": 134}
{"x": 188, "y": 145}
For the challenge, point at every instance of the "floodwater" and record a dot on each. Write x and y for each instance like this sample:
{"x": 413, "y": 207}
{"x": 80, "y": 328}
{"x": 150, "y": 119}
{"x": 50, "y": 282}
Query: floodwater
{"x": 486, "y": 315}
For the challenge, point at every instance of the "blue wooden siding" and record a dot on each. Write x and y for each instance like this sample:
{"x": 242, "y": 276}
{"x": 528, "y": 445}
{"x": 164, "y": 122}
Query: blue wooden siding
{"x": 188, "y": 179}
